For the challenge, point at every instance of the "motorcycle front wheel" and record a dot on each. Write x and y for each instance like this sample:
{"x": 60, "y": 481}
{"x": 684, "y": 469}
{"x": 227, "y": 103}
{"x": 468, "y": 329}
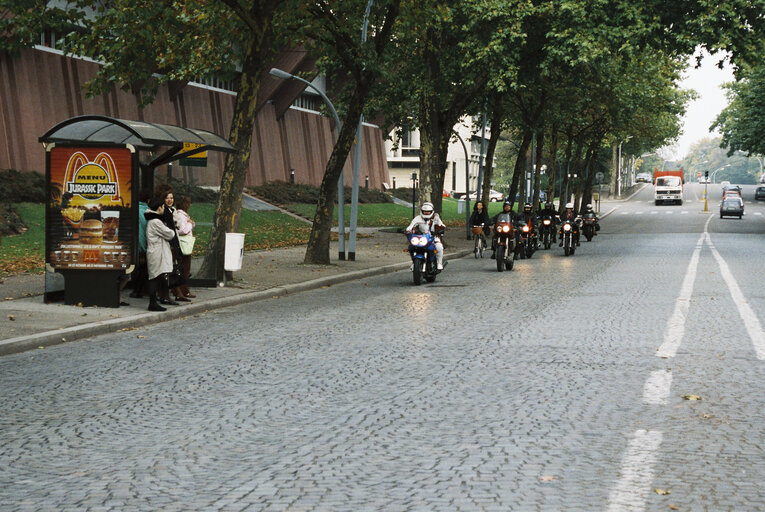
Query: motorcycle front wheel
{"x": 567, "y": 246}
{"x": 588, "y": 234}
{"x": 430, "y": 272}
{"x": 500, "y": 257}
{"x": 417, "y": 272}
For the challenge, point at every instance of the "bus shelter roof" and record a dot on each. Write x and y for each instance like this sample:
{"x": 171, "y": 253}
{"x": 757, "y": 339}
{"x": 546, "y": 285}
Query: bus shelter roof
{"x": 94, "y": 129}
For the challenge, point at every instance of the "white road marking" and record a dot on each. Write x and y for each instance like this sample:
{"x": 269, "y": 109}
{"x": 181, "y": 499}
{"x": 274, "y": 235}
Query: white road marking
{"x": 654, "y": 212}
{"x": 625, "y": 213}
{"x": 675, "y": 329}
{"x": 656, "y": 389}
{"x": 751, "y": 322}
{"x": 758, "y": 213}
{"x": 632, "y": 488}
{"x": 670, "y": 213}
{"x": 638, "y": 213}
{"x": 684, "y": 212}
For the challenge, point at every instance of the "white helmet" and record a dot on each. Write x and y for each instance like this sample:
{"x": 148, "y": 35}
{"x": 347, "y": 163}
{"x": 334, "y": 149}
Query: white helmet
{"x": 426, "y": 211}
{"x": 589, "y": 206}
{"x": 569, "y": 206}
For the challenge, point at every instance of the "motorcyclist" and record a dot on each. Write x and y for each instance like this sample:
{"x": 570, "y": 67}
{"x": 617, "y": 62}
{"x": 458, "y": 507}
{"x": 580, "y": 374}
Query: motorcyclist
{"x": 527, "y": 216}
{"x": 570, "y": 215}
{"x": 507, "y": 208}
{"x": 590, "y": 213}
{"x": 480, "y": 217}
{"x": 549, "y": 211}
{"x": 436, "y": 227}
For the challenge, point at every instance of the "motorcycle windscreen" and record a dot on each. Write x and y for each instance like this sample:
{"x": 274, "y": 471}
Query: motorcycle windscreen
{"x": 503, "y": 217}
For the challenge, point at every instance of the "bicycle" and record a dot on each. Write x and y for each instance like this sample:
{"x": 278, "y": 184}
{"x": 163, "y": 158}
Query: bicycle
{"x": 480, "y": 241}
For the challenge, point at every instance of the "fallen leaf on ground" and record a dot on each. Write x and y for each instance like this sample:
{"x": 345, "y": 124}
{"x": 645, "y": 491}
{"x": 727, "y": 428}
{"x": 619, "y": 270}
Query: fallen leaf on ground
{"x": 662, "y": 492}
{"x": 546, "y": 478}
{"x": 84, "y": 314}
{"x": 139, "y": 336}
{"x": 692, "y": 397}
{"x": 673, "y": 507}
{"x": 11, "y": 318}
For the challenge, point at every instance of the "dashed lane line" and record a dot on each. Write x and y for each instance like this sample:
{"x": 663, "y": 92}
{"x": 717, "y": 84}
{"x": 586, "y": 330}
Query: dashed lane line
{"x": 675, "y": 329}
{"x": 751, "y": 322}
{"x": 632, "y": 488}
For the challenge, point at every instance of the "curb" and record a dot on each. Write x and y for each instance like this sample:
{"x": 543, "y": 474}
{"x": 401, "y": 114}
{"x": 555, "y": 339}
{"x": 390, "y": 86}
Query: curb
{"x": 68, "y": 334}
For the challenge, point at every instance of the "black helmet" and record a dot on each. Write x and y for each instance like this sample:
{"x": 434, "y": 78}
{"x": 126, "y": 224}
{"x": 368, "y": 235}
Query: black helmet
{"x": 549, "y": 205}
{"x": 527, "y": 207}
{"x": 508, "y": 204}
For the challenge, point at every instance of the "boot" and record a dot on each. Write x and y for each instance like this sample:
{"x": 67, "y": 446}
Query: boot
{"x": 153, "y": 305}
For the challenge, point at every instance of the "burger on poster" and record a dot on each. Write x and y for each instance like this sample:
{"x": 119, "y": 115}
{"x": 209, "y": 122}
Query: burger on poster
{"x": 91, "y": 232}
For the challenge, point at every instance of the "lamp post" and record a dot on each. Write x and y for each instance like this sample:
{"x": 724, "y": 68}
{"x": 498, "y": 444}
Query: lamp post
{"x": 278, "y": 73}
{"x": 357, "y": 160}
{"x": 467, "y": 186}
{"x": 759, "y": 160}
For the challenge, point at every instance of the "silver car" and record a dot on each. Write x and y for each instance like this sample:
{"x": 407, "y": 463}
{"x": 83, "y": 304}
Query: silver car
{"x": 732, "y": 207}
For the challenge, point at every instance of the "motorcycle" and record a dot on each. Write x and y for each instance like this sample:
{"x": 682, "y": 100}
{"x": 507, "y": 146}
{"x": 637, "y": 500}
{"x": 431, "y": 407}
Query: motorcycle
{"x": 527, "y": 241}
{"x": 422, "y": 249}
{"x": 504, "y": 233}
{"x": 567, "y": 232}
{"x": 588, "y": 226}
{"x": 547, "y": 231}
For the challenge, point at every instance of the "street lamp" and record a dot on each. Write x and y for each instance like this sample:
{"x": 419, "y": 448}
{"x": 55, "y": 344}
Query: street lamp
{"x": 278, "y": 73}
{"x": 467, "y": 186}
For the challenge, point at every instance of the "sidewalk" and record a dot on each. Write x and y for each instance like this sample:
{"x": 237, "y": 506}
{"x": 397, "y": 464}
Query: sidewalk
{"x": 29, "y": 323}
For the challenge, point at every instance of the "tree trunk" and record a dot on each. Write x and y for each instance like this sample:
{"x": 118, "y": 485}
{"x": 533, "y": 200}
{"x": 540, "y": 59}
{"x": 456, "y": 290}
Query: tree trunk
{"x": 520, "y": 166}
{"x": 496, "y": 129}
{"x": 614, "y": 172}
{"x": 566, "y": 171}
{"x": 226, "y": 218}
{"x": 317, "y": 251}
{"x": 434, "y": 146}
{"x": 552, "y": 167}
{"x": 538, "y": 169}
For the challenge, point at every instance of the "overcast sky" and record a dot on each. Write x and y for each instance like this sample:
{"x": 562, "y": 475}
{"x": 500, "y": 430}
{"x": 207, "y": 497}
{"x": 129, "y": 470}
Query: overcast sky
{"x": 706, "y": 81}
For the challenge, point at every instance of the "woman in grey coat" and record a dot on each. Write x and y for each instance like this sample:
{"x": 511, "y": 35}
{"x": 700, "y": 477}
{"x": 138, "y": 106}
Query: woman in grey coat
{"x": 159, "y": 256}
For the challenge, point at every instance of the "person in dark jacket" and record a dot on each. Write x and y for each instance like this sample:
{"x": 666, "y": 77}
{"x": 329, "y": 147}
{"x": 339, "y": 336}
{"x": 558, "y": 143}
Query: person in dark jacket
{"x": 480, "y": 217}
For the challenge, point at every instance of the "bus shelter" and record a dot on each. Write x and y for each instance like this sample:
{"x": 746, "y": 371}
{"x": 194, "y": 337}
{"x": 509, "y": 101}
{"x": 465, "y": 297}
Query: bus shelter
{"x": 94, "y": 169}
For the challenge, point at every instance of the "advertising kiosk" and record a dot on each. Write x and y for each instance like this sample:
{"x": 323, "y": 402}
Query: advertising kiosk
{"x": 93, "y": 169}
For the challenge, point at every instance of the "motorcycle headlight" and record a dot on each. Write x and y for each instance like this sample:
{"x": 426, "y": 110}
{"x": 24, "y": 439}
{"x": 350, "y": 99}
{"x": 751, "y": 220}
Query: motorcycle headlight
{"x": 567, "y": 227}
{"x": 506, "y": 229}
{"x": 525, "y": 229}
{"x": 415, "y": 240}
{"x": 423, "y": 241}
{"x": 546, "y": 222}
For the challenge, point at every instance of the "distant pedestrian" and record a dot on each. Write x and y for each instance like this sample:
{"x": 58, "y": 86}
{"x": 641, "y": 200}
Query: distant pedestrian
{"x": 140, "y": 275}
{"x": 159, "y": 256}
{"x": 184, "y": 227}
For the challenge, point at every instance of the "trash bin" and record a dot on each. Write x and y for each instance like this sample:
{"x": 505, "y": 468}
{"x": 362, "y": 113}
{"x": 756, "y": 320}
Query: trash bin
{"x": 234, "y": 251}
{"x": 460, "y": 206}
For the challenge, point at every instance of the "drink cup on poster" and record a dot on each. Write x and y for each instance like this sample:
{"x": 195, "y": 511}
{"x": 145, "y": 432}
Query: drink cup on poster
{"x": 123, "y": 257}
{"x": 67, "y": 256}
{"x": 111, "y": 223}
{"x": 107, "y": 257}
{"x": 75, "y": 256}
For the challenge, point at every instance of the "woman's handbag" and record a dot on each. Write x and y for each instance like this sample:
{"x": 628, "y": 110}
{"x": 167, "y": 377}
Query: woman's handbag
{"x": 175, "y": 278}
{"x": 187, "y": 244}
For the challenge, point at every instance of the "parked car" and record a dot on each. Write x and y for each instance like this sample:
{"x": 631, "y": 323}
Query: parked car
{"x": 542, "y": 196}
{"x": 494, "y": 196}
{"x": 759, "y": 193}
{"x": 702, "y": 179}
{"x": 724, "y": 183}
{"x": 643, "y": 177}
{"x": 732, "y": 207}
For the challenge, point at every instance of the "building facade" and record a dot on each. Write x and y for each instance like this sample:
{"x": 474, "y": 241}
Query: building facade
{"x": 463, "y": 161}
{"x": 43, "y": 87}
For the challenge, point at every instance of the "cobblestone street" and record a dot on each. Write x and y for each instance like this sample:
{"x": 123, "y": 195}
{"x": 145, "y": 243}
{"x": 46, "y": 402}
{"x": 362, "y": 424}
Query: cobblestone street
{"x": 538, "y": 389}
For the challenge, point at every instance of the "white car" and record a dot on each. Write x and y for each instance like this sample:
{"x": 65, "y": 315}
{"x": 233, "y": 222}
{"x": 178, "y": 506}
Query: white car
{"x": 702, "y": 179}
{"x": 494, "y": 196}
{"x": 724, "y": 184}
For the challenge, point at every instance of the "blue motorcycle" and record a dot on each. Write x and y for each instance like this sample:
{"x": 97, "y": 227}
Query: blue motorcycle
{"x": 422, "y": 249}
